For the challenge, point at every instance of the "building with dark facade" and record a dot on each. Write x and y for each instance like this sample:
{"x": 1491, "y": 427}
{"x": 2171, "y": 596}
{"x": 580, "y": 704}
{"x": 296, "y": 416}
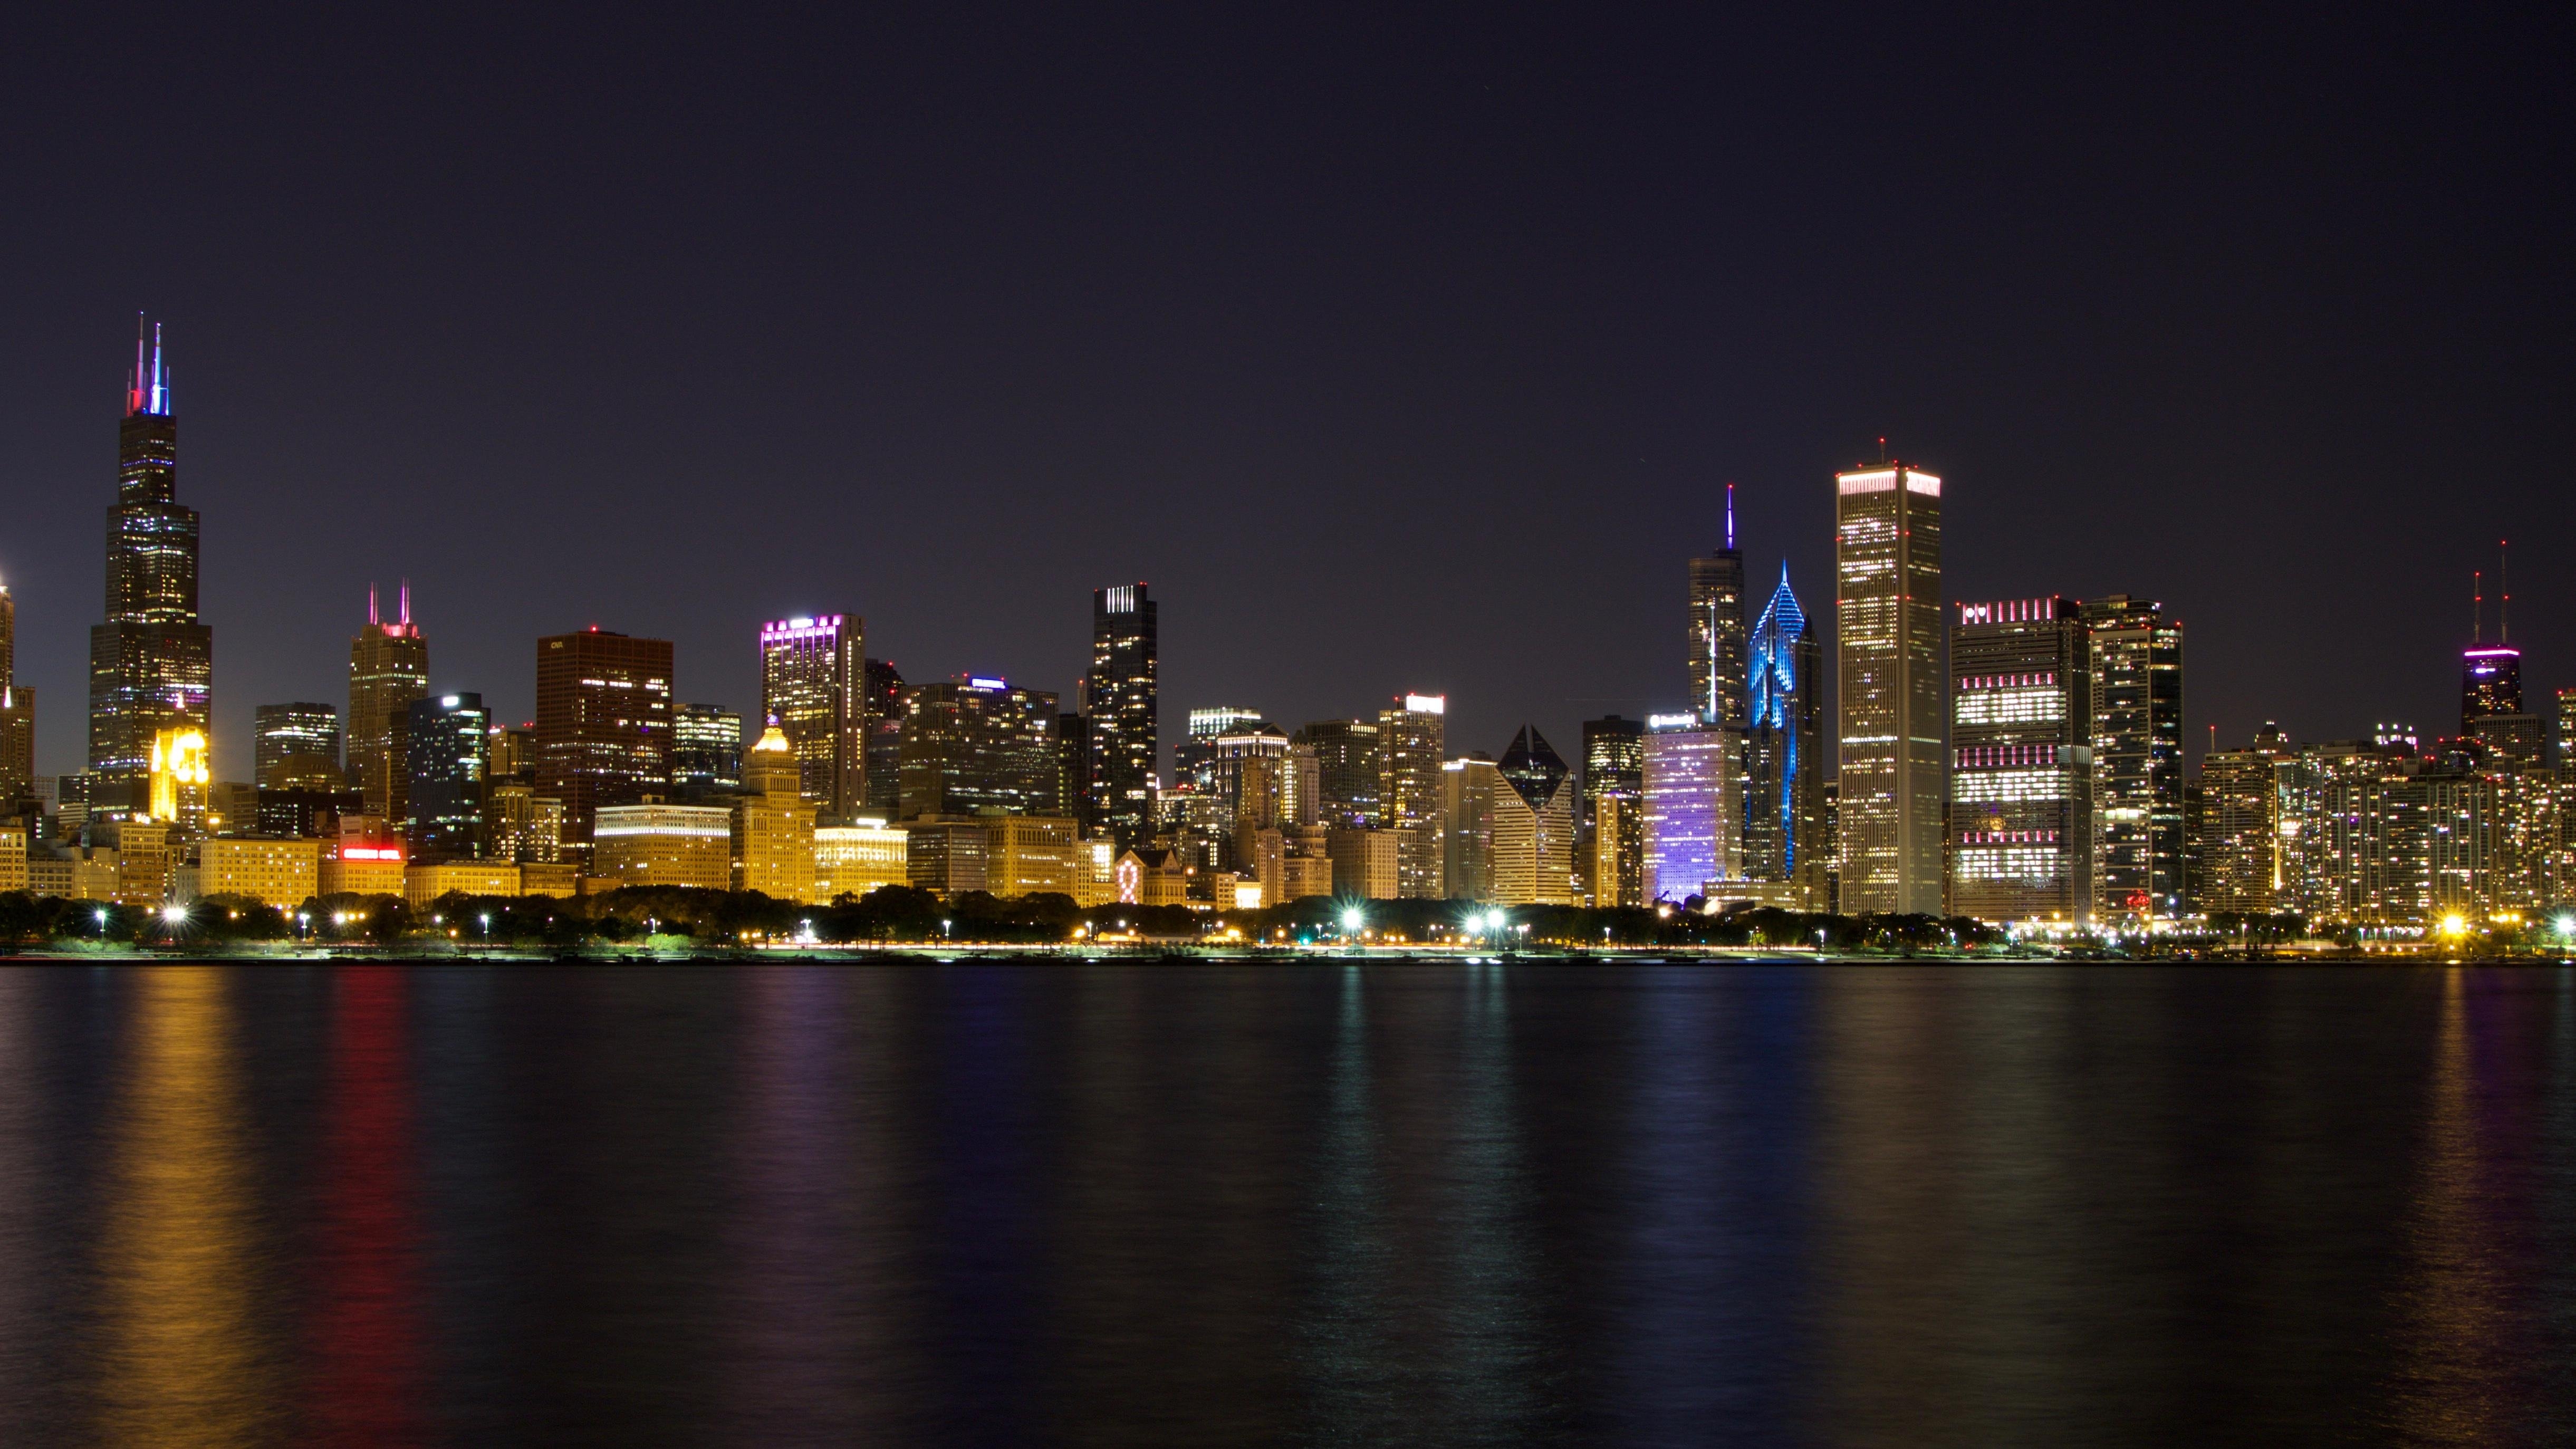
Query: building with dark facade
{"x": 1717, "y": 632}
{"x": 2021, "y": 776}
{"x": 883, "y": 728}
{"x": 2491, "y": 709}
{"x": 296, "y": 747}
{"x": 17, "y": 721}
{"x": 1349, "y": 762}
{"x": 706, "y": 751}
{"x": 1124, "y": 736}
{"x": 388, "y": 671}
{"x": 812, "y": 675}
{"x": 447, "y": 742}
{"x": 1614, "y": 770}
{"x": 1784, "y": 764}
{"x": 151, "y": 664}
{"x": 975, "y": 744}
{"x": 2138, "y": 847}
{"x": 604, "y": 723}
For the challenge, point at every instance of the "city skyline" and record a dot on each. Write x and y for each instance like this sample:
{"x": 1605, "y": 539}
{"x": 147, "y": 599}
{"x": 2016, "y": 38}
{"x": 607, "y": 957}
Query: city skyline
{"x": 1172, "y": 333}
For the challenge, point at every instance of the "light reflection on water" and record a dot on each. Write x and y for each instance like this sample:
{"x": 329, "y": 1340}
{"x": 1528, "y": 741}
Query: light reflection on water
{"x": 1330, "y": 1203}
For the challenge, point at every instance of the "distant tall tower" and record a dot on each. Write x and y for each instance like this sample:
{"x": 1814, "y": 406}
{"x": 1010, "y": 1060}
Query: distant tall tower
{"x": 2137, "y": 758}
{"x": 1123, "y": 735}
{"x": 151, "y": 665}
{"x": 388, "y": 670}
{"x": 1717, "y": 659}
{"x": 1784, "y": 764}
{"x": 812, "y": 674}
{"x": 1888, "y": 679}
{"x": 17, "y": 717}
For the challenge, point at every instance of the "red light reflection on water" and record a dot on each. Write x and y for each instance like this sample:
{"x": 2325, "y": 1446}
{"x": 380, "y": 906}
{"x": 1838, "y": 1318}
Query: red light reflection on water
{"x": 364, "y": 1322}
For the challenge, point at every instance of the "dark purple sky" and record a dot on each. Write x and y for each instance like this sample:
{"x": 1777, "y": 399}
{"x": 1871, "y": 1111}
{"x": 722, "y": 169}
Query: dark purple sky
{"x": 1396, "y": 354}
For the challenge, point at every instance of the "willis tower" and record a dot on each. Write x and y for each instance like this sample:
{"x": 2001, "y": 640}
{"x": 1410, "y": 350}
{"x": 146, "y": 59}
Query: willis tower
{"x": 151, "y": 665}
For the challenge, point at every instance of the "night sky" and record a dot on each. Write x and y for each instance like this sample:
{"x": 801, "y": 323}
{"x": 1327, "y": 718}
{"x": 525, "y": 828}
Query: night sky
{"x": 1395, "y": 354}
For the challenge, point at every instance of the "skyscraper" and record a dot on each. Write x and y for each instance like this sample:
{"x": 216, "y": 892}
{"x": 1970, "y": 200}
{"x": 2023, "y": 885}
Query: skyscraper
{"x": 445, "y": 754}
{"x": 1349, "y": 761}
{"x": 1690, "y": 806}
{"x": 1784, "y": 749}
{"x": 773, "y": 823}
{"x": 883, "y": 723}
{"x": 296, "y": 747}
{"x": 1544, "y": 793}
{"x": 976, "y": 744}
{"x": 388, "y": 670}
{"x": 603, "y": 723}
{"x": 1614, "y": 790}
{"x": 17, "y": 718}
{"x": 1717, "y": 634}
{"x": 811, "y": 681}
{"x": 2021, "y": 787}
{"x": 2249, "y": 872}
{"x": 151, "y": 664}
{"x": 1123, "y": 731}
{"x": 2137, "y": 759}
{"x": 1413, "y": 739}
{"x": 1888, "y": 679}
{"x": 706, "y": 750}
{"x": 2491, "y": 709}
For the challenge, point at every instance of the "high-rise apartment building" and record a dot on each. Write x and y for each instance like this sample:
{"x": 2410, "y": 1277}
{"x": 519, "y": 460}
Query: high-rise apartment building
{"x": 883, "y": 708}
{"x": 296, "y": 747}
{"x": 1784, "y": 765}
{"x": 17, "y": 720}
{"x": 812, "y": 685}
{"x": 2242, "y": 847}
{"x": 1691, "y": 806}
{"x": 388, "y": 671}
{"x": 151, "y": 664}
{"x": 1717, "y": 632}
{"x": 1413, "y": 738}
{"x": 1614, "y": 821}
{"x": 446, "y": 752}
{"x": 976, "y": 745}
{"x": 2138, "y": 857}
{"x": 1123, "y": 735}
{"x": 604, "y": 724}
{"x": 706, "y": 750}
{"x": 1890, "y": 734}
{"x": 1349, "y": 764}
{"x": 2021, "y": 781}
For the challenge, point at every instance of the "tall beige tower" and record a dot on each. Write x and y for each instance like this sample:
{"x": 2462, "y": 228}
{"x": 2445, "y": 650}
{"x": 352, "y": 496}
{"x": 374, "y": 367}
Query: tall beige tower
{"x": 773, "y": 824}
{"x": 1889, "y": 688}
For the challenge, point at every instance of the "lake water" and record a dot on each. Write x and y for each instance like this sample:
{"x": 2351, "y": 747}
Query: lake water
{"x": 1435, "y": 1204}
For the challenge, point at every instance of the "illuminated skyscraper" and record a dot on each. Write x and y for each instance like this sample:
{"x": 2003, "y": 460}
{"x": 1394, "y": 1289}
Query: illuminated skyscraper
{"x": 603, "y": 724}
{"x": 1692, "y": 790}
{"x": 811, "y": 676}
{"x": 1122, "y": 731}
{"x": 1539, "y": 810}
{"x": 1614, "y": 821}
{"x": 2491, "y": 707}
{"x": 1888, "y": 678}
{"x": 773, "y": 824}
{"x": 706, "y": 750}
{"x": 883, "y": 711}
{"x": 975, "y": 744}
{"x": 17, "y": 719}
{"x": 1413, "y": 739}
{"x": 1784, "y": 765}
{"x": 2138, "y": 842}
{"x": 1349, "y": 762}
{"x": 2251, "y": 867}
{"x": 151, "y": 665}
{"x": 388, "y": 670}
{"x": 296, "y": 747}
{"x": 2021, "y": 785}
{"x": 446, "y": 754}
{"x": 1717, "y": 658}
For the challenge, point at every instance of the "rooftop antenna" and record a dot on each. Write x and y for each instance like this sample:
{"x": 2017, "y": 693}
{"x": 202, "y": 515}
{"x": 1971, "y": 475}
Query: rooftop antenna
{"x": 1882, "y": 449}
{"x": 2477, "y": 606}
{"x": 371, "y": 602}
{"x": 1730, "y": 518}
{"x": 406, "y": 603}
{"x": 2504, "y": 591}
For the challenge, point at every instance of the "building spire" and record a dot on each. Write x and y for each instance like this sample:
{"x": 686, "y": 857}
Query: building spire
{"x": 371, "y": 603}
{"x": 406, "y": 603}
{"x": 1730, "y": 516}
{"x": 2504, "y": 591}
{"x": 147, "y": 387}
{"x": 2477, "y": 606}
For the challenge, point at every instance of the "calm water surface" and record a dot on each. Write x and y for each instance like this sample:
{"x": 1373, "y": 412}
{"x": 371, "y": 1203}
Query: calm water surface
{"x": 1365, "y": 1205}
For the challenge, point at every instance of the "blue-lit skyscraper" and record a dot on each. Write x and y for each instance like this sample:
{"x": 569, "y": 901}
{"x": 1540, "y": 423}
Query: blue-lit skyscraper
{"x": 1783, "y": 760}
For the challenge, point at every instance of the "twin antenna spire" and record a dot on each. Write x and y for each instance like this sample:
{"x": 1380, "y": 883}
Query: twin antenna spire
{"x": 147, "y": 387}
{"x": 2504, "y": 598}
{"x": 406, "y": 605}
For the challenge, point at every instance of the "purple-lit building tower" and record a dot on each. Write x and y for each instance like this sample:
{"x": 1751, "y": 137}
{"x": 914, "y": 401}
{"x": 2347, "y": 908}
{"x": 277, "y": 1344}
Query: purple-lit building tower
{"x": 151, "y": 664}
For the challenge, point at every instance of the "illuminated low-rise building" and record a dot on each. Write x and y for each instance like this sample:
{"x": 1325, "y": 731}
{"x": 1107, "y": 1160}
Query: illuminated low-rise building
{"x": 1035, "y": 855}
{"x": 280, "y": 873}
{"x": 13, "y": 857}
{"x": 1364, "y": 863}
{"x": 425, "y": 883}
{"x": 366, "y": 859}
{"x": 853, "y": 860}
{"x": 660, "y": 844}
{"x": 1148, "y": 876}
